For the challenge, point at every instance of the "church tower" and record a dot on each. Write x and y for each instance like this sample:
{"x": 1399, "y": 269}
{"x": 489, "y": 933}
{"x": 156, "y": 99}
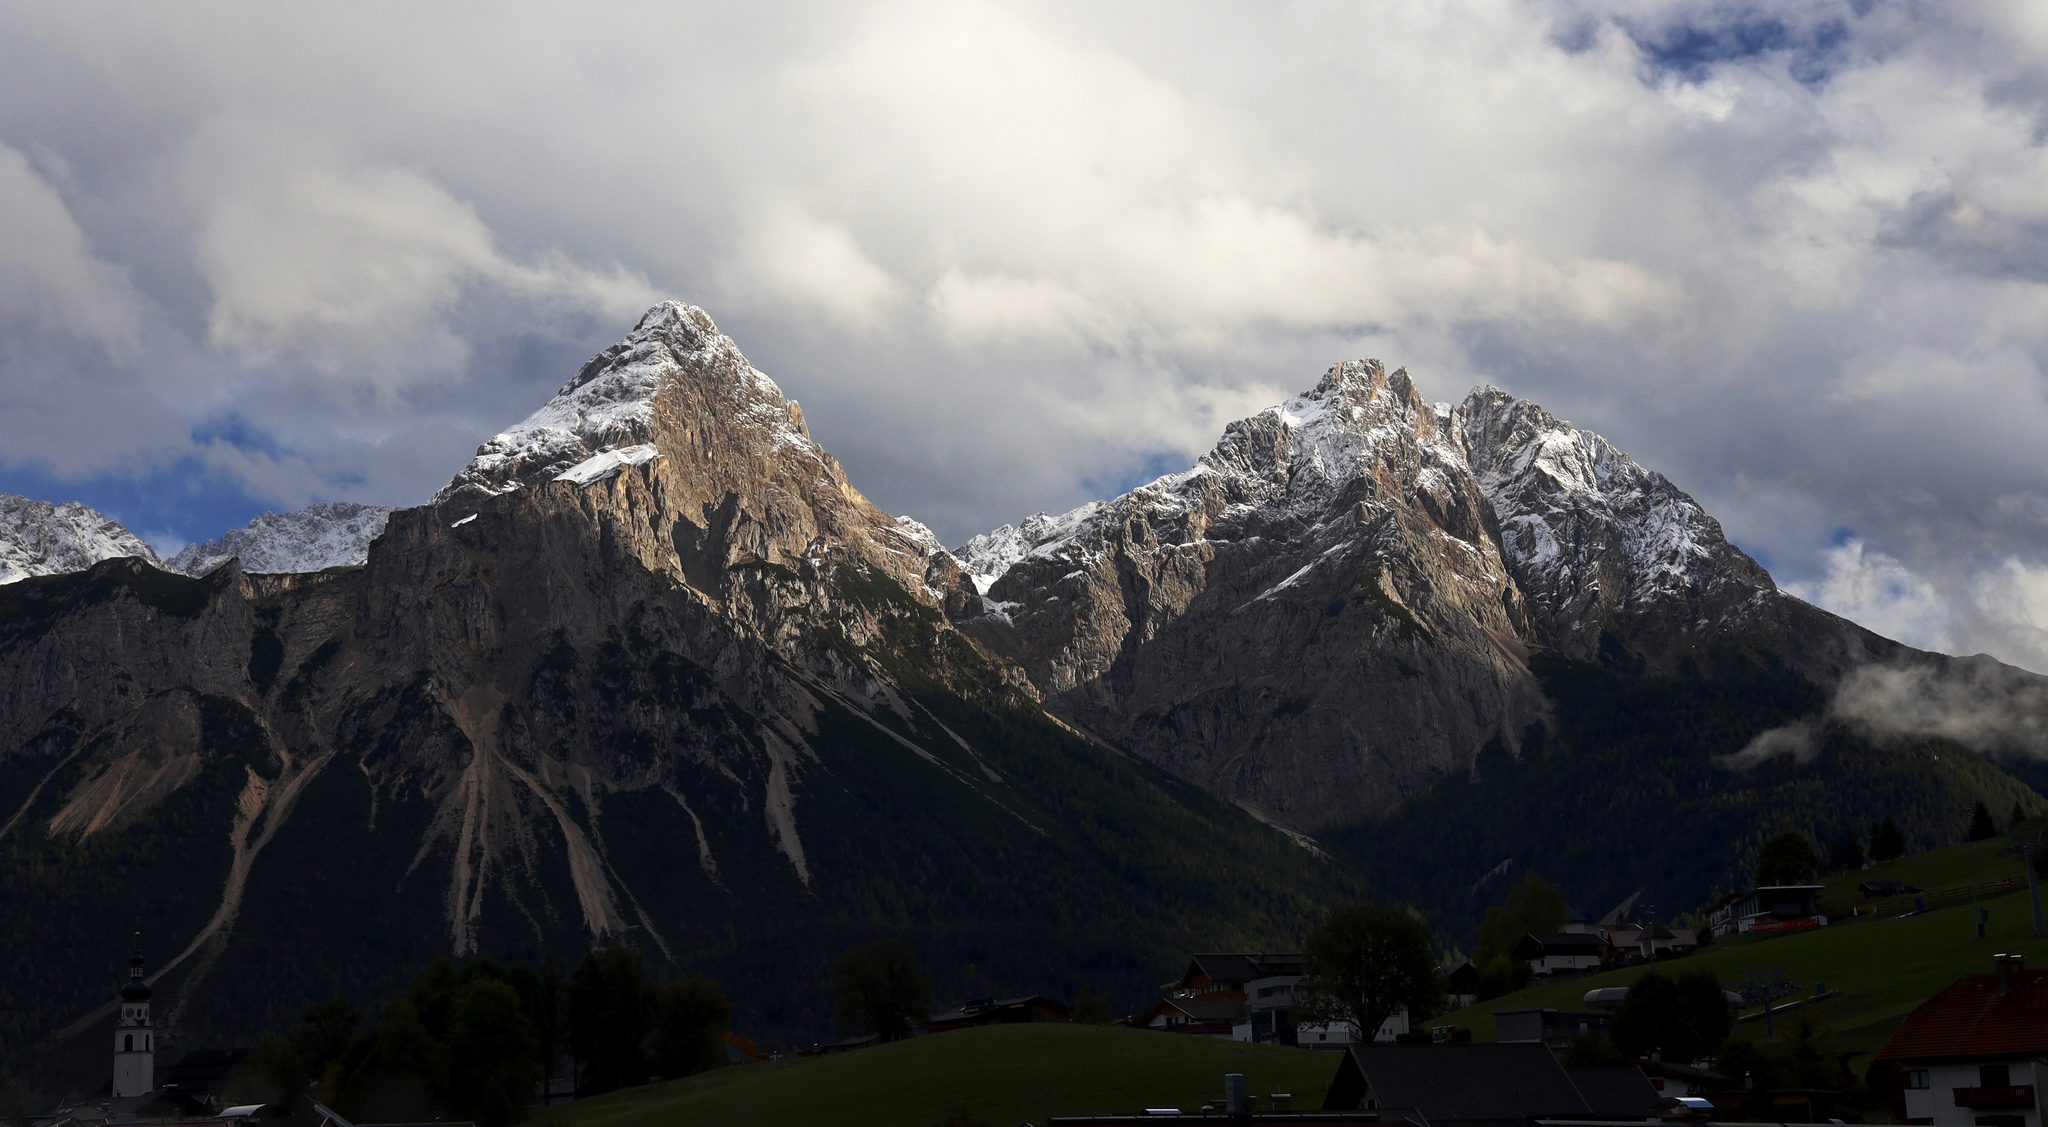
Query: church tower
{"x": 134, "y": 1036}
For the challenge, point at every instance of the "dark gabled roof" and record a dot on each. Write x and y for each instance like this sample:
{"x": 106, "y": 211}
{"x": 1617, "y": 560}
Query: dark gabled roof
{"x": 1972, "y": 1019}
{"x": 1240, "y": 966}
{"x": 1497, "y": 1083}
{"x": 1615, "y": 1090}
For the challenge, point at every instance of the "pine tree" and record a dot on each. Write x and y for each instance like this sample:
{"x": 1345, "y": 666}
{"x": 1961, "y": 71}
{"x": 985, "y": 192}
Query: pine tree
{"x": 1886, "y": 843}
{"x": 1981, "y": 828}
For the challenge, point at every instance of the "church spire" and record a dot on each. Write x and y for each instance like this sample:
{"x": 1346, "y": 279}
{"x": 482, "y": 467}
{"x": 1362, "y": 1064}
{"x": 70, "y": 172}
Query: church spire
{"x": 134, "y": 1036}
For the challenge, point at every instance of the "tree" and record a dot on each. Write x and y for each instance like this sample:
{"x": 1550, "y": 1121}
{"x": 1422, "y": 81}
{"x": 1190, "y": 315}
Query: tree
{"x": 1091, "y": 1008}
{"x": 1590, "y": 1050}
{"x": 1886, "y": 843}
{"x": 492, "y": 1065}
{"x": 1366, "y": 963}
{"x": 880, "y": 989}
{"x": 1533, "y": 907}
{"x": 2018, "y": 816}
{"x": 1846, "y": 854}
{"x": 1653, "y": 1021}
{"x": 1502, "y": 974}
{"x": 689, "y": 1027}
{"x": 1706, "y": 1004}
{"x": 611, "y": 1008}
{"x": 398, "y": 1073}
{"x": 1788, "y": 858}
{"x": 1981, "y": 828}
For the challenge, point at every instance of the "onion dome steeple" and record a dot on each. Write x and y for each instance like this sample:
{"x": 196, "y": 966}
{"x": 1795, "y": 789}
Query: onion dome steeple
{"x": 136, "y": 990}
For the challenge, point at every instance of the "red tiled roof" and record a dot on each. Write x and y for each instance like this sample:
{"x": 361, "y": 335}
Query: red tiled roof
{"x": 1972, "y": 1019}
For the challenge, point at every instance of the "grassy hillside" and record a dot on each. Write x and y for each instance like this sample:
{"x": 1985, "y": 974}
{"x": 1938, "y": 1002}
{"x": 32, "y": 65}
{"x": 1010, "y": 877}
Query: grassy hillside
{"x": 1003, "y": 1074}
{"x": 1883, "y": 967}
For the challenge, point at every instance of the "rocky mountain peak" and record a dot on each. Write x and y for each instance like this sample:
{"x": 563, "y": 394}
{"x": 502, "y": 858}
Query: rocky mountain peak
{"x": 39, "y": 538}
{"x": 1594, "y": 539}
{"x": 673, "y": 378}
{"x": 321, "y": 535}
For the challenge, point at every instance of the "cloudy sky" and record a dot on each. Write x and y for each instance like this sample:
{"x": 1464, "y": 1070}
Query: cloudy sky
{"x": 1015, "y": 256}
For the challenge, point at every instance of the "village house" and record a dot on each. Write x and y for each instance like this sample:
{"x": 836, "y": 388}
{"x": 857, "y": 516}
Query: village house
{"x": 1778, "y": 907}
{"x": 1974, "y": 1055}
{"x": 1562, "y": 953}
{"x": 1249, "y": 996}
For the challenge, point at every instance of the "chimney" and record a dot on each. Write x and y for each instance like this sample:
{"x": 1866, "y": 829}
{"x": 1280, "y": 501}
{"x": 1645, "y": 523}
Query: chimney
{"x": 2007, "y": 967}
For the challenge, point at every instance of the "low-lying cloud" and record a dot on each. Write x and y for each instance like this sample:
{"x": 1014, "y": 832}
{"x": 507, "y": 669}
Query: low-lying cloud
{"x": 1982, "y": 704}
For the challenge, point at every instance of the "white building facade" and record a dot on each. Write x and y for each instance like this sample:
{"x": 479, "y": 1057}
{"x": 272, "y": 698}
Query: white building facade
{"x": 134, "y": 1036}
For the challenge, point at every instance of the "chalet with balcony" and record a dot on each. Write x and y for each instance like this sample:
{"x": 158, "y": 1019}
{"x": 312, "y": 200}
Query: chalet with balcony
{"x": 1777, "y": 907}
{"x": 1976, "y": 1054}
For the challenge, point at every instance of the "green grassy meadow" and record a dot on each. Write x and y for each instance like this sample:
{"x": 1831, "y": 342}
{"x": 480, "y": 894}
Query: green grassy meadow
{"x": 1004, "y": 1074}
{"x": 1883, "y": 967}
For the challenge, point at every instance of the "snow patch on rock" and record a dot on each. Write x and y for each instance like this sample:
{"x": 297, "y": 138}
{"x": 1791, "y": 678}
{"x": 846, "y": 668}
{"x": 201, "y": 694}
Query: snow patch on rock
{"x": 607, "y": 463}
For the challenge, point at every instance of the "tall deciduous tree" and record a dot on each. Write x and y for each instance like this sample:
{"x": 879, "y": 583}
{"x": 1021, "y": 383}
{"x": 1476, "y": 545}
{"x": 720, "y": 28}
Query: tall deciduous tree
{"x": 493, "y": 1068}
{"x": 880, "y": 989}
{"x": 1366, "y": 963}
{"x": 1788, "y": 858}
{"x": 611, "y": 1008}
{"x": 1533, "y": 907}
{"x": 1886, "y": 842}
{"x": 1679, "y": 1019}
{"x": 689, "y": 1027}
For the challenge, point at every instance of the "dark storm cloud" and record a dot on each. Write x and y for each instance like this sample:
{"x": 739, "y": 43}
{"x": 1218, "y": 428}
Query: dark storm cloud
{"x": 1014, "y": 257}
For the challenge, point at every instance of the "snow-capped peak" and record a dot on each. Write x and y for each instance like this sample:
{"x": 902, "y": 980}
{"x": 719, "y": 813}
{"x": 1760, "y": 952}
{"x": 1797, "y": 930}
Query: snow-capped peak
{"x": 39, "y": 538}
{"x": 323, "y": 535}
{"x": 612, "y": 405}
{"x": 1292, "y": 456}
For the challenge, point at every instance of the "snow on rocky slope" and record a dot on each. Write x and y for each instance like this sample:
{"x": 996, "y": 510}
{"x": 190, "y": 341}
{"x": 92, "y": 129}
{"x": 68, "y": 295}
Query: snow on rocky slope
{"x": 1587, "y": 533}
{"x": 39, "y": 538}
{"x": 319, "y": 536}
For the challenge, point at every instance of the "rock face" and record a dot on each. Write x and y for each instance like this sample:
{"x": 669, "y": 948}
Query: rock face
{"x": 1315, "y": 620}
{"x": 319, "y": 536}
{"x": 39, "y": 538}
{"x": 1335, "y": 606}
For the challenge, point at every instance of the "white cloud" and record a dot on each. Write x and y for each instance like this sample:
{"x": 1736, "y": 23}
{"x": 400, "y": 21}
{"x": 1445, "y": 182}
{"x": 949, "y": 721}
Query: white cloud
{"x": 332, "y": 261}
{"x": 50, "y": 278}
{"x": 1011, "y": 256}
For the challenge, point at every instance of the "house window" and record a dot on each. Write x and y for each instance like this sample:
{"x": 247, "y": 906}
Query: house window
{"x": 1994, "y": 1075}
{"x": 1916, "y": 1078}
{"x": 128, "y": 1043}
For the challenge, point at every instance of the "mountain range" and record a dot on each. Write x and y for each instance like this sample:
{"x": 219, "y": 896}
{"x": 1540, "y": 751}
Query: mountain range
{"x": 651, "y": 669}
